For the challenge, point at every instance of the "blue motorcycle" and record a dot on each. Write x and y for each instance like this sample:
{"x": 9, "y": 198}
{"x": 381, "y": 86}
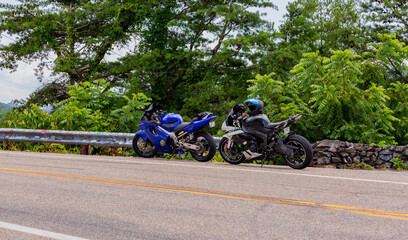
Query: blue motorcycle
{"x": 168, "y": 133}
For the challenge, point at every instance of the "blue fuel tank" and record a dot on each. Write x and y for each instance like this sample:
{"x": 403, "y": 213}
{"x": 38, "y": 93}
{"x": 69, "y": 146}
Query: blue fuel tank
{"x": 171, "y": 120}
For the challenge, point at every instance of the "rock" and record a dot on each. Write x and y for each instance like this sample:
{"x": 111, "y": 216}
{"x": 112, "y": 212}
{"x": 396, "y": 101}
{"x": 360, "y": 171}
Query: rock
{"x": 356, "y": 159}
{"x": 369, "y": 154}
{"x": 385, "y": 157}
{"x": 405, "y": 152}
{"x": 344, "y": 154}
{"x": 399, "y": 149}
{"x": 373, "y": 158}
{"x": 329, "y": 143}
{"x": 349, "y": 145}
{"x": 358, "y": 146}
{"x": 318, "y": 149}
{"x": 350, "y": 150}
{"x": 395, "y": 155}
{"x": 363, "y": 153}
{"x": 333, "y": 150}
{"x": 379, "y": 166}
{"x": 336, "y": 160}
{"x": 379, "y": 162}
{"x": 388, "y": 164}
{"x": 324, "y": 154}
{"x": 323, "y": 160}
{"x": 386, "y": 152}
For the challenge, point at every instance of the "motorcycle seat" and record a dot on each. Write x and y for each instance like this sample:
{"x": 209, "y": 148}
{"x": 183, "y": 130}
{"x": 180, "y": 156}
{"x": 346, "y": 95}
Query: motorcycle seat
{"x": 274, "y": 125}
{"x": 181, "y": 126}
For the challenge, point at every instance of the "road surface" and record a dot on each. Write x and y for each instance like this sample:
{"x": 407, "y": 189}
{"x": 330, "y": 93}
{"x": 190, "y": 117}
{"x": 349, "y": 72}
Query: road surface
{"x": 61, "y": 196}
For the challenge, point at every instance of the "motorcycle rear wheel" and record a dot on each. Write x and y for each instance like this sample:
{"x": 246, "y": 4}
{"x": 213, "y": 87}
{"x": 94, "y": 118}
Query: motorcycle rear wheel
{"x": 303, "y": 152}
{"x": 229, "y": 155}
{"x": 209, "y": 148}
{"x": 143, "y": 148}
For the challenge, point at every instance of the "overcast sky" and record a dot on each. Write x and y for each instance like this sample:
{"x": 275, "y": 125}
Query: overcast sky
{"x": 19, "y": 84}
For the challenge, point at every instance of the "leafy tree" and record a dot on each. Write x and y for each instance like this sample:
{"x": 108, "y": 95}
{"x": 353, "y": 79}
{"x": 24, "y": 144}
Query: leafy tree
{"x": 126, "y": 119}
{"x": 31, "y": 118}
{"x": 93, "y": 109}
{"x": 311, "y": 26}
{"x": 398, "y": 93}
{"x": 387, "y": 16}
{"x": 281, "y": 99}
{"x": 80, "y": 34}
{"x": 205, "y": 53}
{"x": 171, "y": 48}
{"x": 342, "y": 108}
{"x": 391, "y": 55}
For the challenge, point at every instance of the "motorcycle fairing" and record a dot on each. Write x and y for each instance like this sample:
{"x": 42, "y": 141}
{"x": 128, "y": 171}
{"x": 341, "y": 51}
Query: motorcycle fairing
{"x": 197, "y": 124}
{"x": 171, "y": 121}
{"x": 145, "y": 133}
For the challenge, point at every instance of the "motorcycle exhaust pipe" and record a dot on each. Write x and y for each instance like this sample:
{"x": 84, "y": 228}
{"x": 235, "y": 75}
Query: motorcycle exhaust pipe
{"x": 191, "y": 146}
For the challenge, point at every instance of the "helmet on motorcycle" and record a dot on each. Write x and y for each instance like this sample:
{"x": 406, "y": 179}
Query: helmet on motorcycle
{"x": 255, "y": 106}
{"x": 239, "y": 108}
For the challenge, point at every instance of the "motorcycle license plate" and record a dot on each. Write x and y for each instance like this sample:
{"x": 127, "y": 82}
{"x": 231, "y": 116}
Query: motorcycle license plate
{"x": 286, "y": 130}
{"x": 212, "y": 124}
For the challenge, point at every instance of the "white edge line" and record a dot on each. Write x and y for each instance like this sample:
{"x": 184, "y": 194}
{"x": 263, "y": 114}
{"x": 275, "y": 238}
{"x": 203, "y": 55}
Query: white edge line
{"x": 38, "y": 232}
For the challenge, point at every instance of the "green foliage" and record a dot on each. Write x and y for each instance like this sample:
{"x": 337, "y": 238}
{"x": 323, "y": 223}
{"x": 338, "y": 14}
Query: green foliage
{"x": 127, "y": 117}
{"x": 282, "y": 99}
{"x": 391, "y": 54}
{"x": 364, "y": 166}
{"x": 91, "y": 107}
{"x": 31, "y": 118}
{"x": 194, "y": 56}
{"x": 398, "y": 164}
{"x": 386, "y": 16}
{"x": 331, "y": 94}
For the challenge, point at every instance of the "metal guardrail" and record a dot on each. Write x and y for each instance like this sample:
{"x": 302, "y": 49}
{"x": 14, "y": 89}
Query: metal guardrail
{"x": 67, "y": 137}
{"x": 83, "y": 138}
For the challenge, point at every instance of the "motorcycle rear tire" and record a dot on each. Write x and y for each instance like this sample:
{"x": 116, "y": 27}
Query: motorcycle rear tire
{"x": 138, "y": 151}
{"x": 209, "y": 144}
{"x": 224, "y": 155}
{"x": 307, "y": 150}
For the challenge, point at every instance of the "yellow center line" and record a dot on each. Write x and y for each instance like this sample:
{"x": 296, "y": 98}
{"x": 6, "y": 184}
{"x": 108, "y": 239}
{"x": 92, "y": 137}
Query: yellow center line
{"x": 215, "y": 193}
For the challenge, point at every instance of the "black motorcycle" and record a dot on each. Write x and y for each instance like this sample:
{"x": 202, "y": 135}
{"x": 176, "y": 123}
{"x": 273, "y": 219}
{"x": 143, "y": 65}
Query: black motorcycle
{"x": 256, "y": 138}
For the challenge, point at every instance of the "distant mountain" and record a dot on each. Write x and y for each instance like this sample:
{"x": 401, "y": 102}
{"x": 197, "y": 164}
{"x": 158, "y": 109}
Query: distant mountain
{"x": 7, "y": 106}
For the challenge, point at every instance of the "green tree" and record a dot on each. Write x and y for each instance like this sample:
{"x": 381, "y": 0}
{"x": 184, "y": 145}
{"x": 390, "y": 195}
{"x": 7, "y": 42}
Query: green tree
{"x": 342, "y": 107}
{"x": 387, "y": 16}
{"x": 391, "y": 55}
{"x": 281, "y": 99}
{"x": 398, "y": 93}
{"x": 315, "y": 25}
{"x": 79, "y": 34}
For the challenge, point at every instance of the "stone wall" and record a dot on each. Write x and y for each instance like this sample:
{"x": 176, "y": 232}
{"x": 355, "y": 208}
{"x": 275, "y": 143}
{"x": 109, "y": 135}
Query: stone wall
{"x": 338, "y": 154}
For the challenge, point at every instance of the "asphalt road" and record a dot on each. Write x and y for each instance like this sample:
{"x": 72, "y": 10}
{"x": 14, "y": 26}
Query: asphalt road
{"x": 57, "y": 196}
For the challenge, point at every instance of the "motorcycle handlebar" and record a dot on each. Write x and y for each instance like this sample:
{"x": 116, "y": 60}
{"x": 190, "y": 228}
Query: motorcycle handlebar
{"x": 294, "y": 118}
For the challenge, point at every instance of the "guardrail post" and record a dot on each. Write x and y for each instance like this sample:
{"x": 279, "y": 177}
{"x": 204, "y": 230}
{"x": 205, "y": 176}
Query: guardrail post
{"x": 85, "y": 150}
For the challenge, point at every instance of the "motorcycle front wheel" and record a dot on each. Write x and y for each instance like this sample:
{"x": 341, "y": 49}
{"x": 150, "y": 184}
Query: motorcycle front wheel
{"x": 230, "y": 155}
{"x": 207, "y": 144}
{"x": 143, "y": 148}
{"x": 303, "y": 152}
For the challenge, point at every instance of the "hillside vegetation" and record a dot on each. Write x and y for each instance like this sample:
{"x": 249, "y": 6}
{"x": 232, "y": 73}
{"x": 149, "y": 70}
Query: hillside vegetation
{"x": 341, "y": 64}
